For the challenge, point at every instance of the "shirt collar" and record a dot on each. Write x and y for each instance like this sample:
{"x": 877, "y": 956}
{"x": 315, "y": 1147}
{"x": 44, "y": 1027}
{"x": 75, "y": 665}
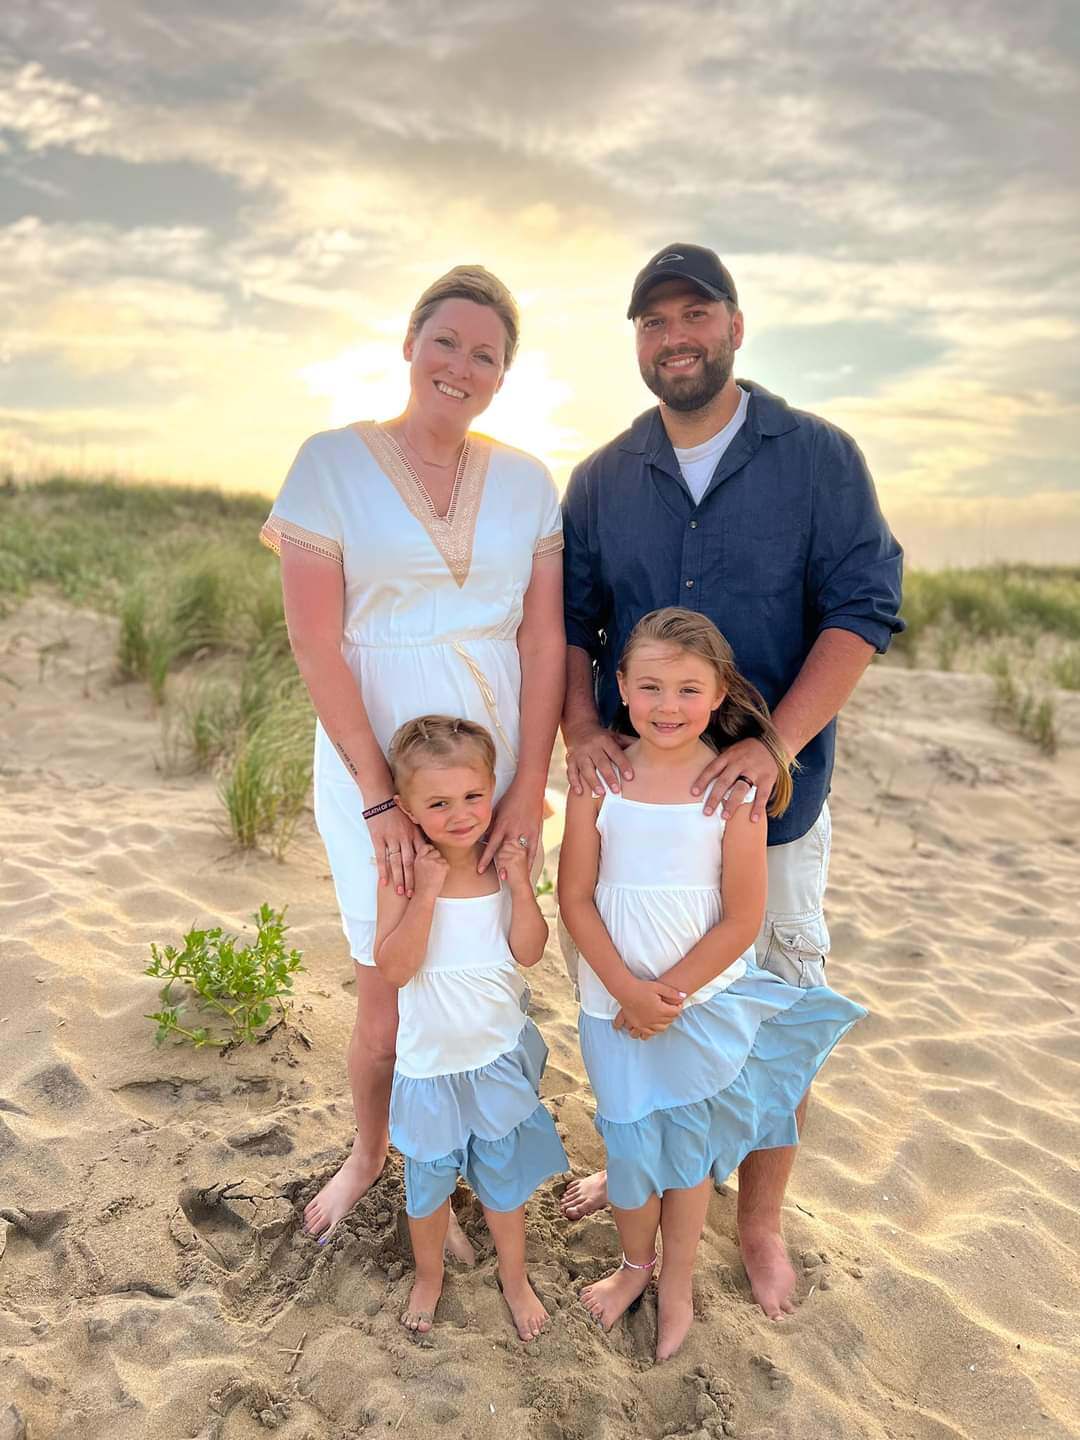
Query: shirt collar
{"x": 766, "y": 414}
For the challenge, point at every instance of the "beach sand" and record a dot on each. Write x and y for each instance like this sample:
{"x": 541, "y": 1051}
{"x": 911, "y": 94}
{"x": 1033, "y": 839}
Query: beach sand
{"x": 153, "y": 1280}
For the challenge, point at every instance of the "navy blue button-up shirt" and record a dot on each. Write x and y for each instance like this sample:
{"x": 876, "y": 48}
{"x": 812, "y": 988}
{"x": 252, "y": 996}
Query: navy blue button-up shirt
{"x": 787, "y": 541}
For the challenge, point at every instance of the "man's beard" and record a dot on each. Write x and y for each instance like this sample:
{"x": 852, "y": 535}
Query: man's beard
{"x": 684, "y": 393}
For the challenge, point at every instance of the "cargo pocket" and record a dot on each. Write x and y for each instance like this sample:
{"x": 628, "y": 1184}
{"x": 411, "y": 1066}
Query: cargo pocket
{"x": 798, "y": 949}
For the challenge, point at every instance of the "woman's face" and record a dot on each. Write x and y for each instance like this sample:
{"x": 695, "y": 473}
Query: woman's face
{"x": 457, "y": 361}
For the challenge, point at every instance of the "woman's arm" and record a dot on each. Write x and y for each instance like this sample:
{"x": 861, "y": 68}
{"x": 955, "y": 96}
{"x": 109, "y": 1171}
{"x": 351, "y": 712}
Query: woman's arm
{"x": 313, "y": 588}
{"x": 743, "y": 887}
{"x": 403, "y": 926}
{"x": 652, "y": 1004}
{"x": 541, "y": 642}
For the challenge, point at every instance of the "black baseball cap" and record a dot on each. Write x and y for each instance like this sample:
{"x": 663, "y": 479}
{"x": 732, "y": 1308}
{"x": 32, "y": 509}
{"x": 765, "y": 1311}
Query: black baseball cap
{"x": 702, "y": 267}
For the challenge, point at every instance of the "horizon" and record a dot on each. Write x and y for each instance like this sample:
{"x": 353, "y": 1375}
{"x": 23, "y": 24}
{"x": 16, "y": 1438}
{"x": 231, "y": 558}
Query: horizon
{"x": 213, "y": 230}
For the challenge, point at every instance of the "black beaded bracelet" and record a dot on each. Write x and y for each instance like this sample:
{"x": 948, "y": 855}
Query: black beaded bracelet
{"x": 373, "y": 810}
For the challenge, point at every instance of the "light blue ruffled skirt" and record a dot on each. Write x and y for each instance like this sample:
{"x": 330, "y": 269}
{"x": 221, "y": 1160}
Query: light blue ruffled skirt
{"x": 723, "y": 1080}
{"x": 486, "y": 1125}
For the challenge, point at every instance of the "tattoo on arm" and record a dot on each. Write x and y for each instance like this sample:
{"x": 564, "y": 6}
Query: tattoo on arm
{"x": 345, "y": 756}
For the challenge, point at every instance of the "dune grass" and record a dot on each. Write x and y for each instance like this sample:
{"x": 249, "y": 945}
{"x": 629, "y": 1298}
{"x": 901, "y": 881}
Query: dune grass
{"x": 198, "y": 602}
{"x": 1021, "y": 624}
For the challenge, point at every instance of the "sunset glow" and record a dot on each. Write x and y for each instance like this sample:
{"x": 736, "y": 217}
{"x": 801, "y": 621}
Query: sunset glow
{"x": 213, "y": 227}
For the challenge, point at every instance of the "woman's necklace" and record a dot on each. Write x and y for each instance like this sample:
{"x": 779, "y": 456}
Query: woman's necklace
{"x": 435, "y": 464}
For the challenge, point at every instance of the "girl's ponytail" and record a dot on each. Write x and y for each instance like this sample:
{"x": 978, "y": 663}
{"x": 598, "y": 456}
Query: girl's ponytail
{"x": 743, "y": 715}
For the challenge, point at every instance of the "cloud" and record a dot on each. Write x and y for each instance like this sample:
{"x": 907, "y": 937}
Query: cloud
{"x": 233, "y": 198}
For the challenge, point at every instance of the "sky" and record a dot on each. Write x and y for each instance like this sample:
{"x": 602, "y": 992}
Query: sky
{"x": 215, "y": 219}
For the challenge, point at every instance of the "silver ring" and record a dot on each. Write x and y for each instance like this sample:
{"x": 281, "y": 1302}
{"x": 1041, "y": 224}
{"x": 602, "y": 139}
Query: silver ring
{"x": 523, "y": 840}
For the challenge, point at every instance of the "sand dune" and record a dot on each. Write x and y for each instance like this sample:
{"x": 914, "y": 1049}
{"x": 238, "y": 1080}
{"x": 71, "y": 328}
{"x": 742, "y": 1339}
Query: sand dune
{"x": 153, "y": 1282}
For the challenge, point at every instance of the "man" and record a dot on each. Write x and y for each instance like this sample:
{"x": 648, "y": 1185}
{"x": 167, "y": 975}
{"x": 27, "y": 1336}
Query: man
{"x": 723, "y": 499}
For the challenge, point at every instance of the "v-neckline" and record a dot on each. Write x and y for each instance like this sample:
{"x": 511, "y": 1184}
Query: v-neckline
{"x": 452, "y": 534}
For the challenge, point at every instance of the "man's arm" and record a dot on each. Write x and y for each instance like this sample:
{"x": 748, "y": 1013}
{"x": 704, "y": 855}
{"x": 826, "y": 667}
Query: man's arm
{"x": 822, "y": 687}
{"x": 853, "y": 582}
{"x": 591, "y": 750}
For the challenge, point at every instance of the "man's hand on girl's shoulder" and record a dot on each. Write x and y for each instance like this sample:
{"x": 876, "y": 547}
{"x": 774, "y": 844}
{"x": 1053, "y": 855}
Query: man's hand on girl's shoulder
{"x": 594, "y": 756}
{"x": 733, "y": 773}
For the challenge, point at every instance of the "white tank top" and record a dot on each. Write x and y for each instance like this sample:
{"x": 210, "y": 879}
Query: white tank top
{"x": 657, "y": 892}
{"x": 463, "y": 1007}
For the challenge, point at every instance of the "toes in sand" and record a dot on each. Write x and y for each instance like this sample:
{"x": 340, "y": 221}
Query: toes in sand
{"x": 674, "y": 1316}
{"x": 585, "y": 1196}
{"x": 611, "y": 1297}
{"x": 419, "y": 1313}
{"x": 526, "y": 1309}
{"x": 458, "y": 1243}
{"x": 338, "y": 1196}
{"x": 770, "y": 1272}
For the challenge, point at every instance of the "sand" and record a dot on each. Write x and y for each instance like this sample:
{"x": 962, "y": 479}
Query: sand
{"x": 153, "y": 1280}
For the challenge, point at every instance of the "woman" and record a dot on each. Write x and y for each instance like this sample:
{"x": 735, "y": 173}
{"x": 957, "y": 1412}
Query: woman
{"x": 422, "y": 573}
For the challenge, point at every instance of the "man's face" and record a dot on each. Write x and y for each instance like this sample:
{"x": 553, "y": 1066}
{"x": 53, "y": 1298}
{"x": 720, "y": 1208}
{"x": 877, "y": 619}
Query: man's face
{"x": 686, "y": 344}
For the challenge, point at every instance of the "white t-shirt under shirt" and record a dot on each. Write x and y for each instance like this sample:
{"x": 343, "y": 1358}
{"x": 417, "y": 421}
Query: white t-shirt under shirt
{"x": 698, "y": 462}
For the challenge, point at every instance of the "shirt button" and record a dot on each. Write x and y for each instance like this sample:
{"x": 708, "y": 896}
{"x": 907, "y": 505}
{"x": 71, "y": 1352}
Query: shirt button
{"x": 689, "y": 584}
{"x": 693, "y": 524}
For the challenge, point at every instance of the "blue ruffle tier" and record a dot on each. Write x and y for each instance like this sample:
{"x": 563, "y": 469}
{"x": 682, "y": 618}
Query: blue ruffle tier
{"x": 486, "y": 1125}
{"x": 723, "y": 1080}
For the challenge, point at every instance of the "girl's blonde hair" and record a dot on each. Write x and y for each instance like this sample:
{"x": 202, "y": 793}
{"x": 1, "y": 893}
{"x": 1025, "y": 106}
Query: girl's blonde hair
{"x": 743, "y": 714}
{"x": 470, "y": 282}
{"x": 437, "y": 740}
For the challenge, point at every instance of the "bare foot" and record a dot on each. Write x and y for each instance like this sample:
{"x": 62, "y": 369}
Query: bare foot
{"x": 458, "y": 1243}
{"x": 585, "y": 1196}
{"x": 419, "y": 1313}
{"x": 771, "y": 1276}
{"x": 340, "y": 1193}
{"x": 529, "y": 1316}
{"x": 674, "y": 1314}
{"x": 611, "y": 1297}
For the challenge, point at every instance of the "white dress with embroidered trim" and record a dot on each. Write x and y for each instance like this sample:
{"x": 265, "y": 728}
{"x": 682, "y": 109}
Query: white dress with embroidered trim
{"x": 432, "y": 608}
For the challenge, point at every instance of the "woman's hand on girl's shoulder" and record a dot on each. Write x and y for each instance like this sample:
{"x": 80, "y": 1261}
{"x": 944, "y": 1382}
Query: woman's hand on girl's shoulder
{"x": 430, "y": 871}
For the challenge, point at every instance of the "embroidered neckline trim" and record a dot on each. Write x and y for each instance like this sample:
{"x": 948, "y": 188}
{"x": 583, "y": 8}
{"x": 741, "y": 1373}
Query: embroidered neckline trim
{"x": 452, "y": 534}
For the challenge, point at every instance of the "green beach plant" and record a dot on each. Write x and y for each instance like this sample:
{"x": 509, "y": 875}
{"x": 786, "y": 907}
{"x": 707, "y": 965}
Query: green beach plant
{"x": 1023, "y": 707}
{"x": 234, "y": 985}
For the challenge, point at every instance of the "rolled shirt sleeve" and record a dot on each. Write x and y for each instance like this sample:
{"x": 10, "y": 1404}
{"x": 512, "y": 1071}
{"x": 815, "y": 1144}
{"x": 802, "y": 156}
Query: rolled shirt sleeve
{"x": 856, "y": 565}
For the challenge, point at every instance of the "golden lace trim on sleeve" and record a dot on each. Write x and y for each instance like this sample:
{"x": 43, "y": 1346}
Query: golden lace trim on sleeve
{"x": 276, "y": 530}
{"x": 549, "y": 544}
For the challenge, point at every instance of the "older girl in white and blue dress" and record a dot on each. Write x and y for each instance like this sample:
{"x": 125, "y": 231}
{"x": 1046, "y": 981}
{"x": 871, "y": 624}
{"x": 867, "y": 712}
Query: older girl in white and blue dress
{"x": 465, "y": 1095}
{"x": 696, "y": 1056}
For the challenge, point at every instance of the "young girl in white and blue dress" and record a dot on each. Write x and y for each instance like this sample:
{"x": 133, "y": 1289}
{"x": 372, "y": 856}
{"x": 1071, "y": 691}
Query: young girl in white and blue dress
{"x": 465, "y": 1097}
{"x": 695, "y": 1055}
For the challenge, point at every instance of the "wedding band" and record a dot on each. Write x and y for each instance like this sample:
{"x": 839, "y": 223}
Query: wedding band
{"x": 393, "y": 852}
{"x": 745, "y": 779}
{"x": 523, "y": 840}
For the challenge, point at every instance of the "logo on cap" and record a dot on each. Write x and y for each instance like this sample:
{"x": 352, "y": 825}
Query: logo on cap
{"x": 667, "y": 259}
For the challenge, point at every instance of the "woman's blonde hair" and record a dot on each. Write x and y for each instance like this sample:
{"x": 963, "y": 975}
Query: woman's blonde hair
{"x": 743, "y": 714}
{"x": 470, "y": 282}
{"x": 437, "y": 740}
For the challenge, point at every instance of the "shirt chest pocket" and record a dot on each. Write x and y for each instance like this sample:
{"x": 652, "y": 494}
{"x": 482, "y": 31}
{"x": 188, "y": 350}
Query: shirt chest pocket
{"x": 763, "y": 555}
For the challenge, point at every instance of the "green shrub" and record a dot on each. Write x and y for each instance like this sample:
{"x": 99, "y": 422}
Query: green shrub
{"x": 234, "y": 984}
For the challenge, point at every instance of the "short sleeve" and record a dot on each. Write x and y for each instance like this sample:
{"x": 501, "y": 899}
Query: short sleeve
{"x": 549, "y": 537}
{"x": 304, "y": 512}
